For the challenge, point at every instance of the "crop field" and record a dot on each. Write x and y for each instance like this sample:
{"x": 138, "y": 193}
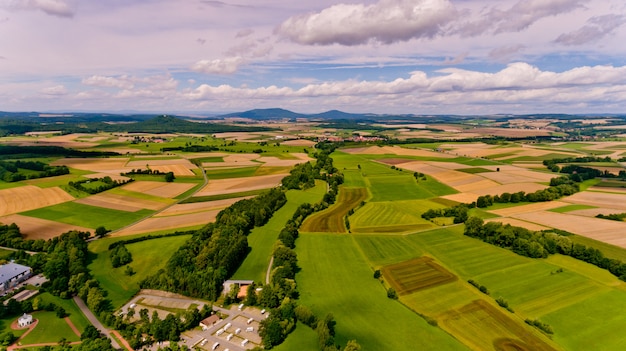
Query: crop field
{"x": 30, "y": 197}
{"x": 333, "y": 265}
{"x": 332, "y": 219}
{"x": 172, "y": 222}
{"x": 228, "y": 172}
{"x": 115, "y": 201}
{"x": 392, "y": 216}
{"x": 36, "y": 228}
{"x": 404, "y": 187}
{"x": 148, "y": 257}
{"x": 262, "y": 239}
{"x": 238, "y": 185}
{"x": 417, "y": 274}
{"x": 87, "y": 216}
{"x": 168, "y": 190}
{"x": 483, "y": 327}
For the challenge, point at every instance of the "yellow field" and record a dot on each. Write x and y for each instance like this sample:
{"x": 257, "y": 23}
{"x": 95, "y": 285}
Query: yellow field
{"x": 235, "y": 185}
{"x": 161, "y": 189}
{"x": 36, "y": 228}
{"x": 30, "y": 197}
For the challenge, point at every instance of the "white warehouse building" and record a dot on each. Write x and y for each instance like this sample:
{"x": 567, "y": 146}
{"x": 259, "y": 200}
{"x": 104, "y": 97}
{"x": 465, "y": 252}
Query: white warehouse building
{"x": 12, "y": 274}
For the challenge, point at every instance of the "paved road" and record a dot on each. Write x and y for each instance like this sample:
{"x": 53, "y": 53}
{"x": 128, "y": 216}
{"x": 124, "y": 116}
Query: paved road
{"x": 95, "y": 322}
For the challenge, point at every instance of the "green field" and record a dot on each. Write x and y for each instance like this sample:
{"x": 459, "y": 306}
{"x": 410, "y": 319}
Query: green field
{"x": 333, "y": 265}
{"x": 220, "y": 173}
{"x": 50, "y": 329}
{"x": 301, "y": 339}
{"x": 262, "y": 239}
{"x": 148, "y": 257}
{"x": 552, "y": 290}
{"x": 405, "y": 187}
{"x": 88, "y": 216}
{"x": 76, "y": 316}
{"x": 392, "y": 216}
{"x": 195, "y": 199}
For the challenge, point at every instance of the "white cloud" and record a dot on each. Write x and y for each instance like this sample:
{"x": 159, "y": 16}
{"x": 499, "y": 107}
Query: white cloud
{"x": 218, "y": 66}
{"x": 596, "y": 28}
{"x": 59, "y": 8}
{"x": 386, "y": 21}
{"x": 504, "y": 53}
{"x": 55, "y": 90}
{"x": 122, "y": 82}
{"x": 518, "y": 17}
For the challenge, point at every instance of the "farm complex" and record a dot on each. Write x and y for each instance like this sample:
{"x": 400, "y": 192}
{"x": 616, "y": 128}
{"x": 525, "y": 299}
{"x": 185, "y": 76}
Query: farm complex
{"x": 470, "y": 234}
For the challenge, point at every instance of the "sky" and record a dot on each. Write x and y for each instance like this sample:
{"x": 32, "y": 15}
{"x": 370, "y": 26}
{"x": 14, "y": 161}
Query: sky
{"x": 461, "y": 57}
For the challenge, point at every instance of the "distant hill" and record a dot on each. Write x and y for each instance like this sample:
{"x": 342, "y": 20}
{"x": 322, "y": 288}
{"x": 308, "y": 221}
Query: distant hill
{"x": 275, "y": 113}
{"x": 263, "y": 114}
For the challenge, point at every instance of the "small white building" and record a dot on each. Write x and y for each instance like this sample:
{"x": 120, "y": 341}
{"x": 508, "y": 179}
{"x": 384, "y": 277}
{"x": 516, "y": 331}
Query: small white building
{"x": 25, "y": 320}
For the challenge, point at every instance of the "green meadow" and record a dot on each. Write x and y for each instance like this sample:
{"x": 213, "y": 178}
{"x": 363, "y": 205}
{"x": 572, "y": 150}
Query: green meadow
{"x": 88, "y": 216}
{"x": 50, "y": 329}
{"x": 392, "y": 216}
{"x": 333, "y": 266}
{"x": 262, "y": 239}
{"x": 148, "y": 257}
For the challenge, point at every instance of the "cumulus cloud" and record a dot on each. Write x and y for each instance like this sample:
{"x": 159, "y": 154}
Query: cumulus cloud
{"x": 55, "y": 90}
{"x": 518, "y": 17}
{"x": 517, "y": 82}
{"x": 59, "y": 8}
{"x": 122, "y": 82}
{"x": 218, "y": 66}
{"x": 595, "y": 29}
{"x": 386, "y": 21}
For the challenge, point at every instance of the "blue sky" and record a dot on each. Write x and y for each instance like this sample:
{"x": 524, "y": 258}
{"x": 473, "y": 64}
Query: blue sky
{"x": 385, "y": 56}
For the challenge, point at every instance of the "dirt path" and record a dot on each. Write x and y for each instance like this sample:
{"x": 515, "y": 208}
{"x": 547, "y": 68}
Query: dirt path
{"x": 269, "y": 270}
{"x": 71, "y": 324}
{"x": 124, "y": 342}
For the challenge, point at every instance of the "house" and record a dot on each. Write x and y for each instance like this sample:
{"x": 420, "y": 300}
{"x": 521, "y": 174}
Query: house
{"x": 242, "y": 284}
{"x": 25, "y": 320}
{"x": 12, "y": 274}
{"x": 209, "y": 321}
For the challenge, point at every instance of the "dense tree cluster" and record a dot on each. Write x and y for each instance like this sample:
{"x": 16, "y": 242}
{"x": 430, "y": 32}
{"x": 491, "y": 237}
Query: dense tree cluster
{"x": 120, "y": 256}
{"x": 202, "y": 264}
{"x": 20, "y": 170}
{"x": 15, "y": 152}
{"x": 459, "y": 212}
{"x": 540, "y": 244}
{"x": 104, "y": 184}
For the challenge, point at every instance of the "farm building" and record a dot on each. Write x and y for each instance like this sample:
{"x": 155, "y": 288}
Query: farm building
{"x": 12, "y": 274}
{"x": 243, "y": 284}
{"x": 25, "y": 320}
{"x": 209, "y": 321}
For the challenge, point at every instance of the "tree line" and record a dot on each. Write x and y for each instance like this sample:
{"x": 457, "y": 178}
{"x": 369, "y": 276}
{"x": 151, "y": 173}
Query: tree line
{"x": 14, "y": 152}
{"x": 559, "y": 187}
{"x": 11, "y": 171}
{"x": 540, "y": 244}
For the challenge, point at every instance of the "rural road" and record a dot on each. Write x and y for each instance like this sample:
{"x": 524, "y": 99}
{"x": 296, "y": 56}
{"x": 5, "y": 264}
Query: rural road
{"x": 269, "y": 270}
{"x": 94, "y": 321}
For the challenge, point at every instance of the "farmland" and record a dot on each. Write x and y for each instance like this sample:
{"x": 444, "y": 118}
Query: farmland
{"x": 332, "y": 219}
{"x": 374, "y": 224}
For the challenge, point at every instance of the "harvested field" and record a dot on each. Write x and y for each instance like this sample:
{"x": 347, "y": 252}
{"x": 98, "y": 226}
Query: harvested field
{"x": 36, "y": 228}
{"x": 539, "y": 206}
{"x": 299, "y": 142}
{"x": 611, "y": 232}
{"x": 598, "y": 199}
{"x": 161, "y": 189}
{"x": 120, "y": 202}
{"x": 482, "y": 326}
{"x": 511, "y": 188}
{"x": 30, "y": 197}
{"x": 395, "y": 150}
{"x": 518, "y": 176}
{"x": 417, "y": 274}
{"x": 109, "y": 165}
{"x": 179, "y": 209}
{"x": 169, "y": 223}
{"x": 592, "y": 212}
{"x": 517, "y": 223}
{"x": 277, "y": 162}
{"x": 235, "y": 185}
{"x": 463, "y": 198}
{"x": 180, "y": 167}
{"x": 332, "y": 219}
{"x": 476, "y": 186}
